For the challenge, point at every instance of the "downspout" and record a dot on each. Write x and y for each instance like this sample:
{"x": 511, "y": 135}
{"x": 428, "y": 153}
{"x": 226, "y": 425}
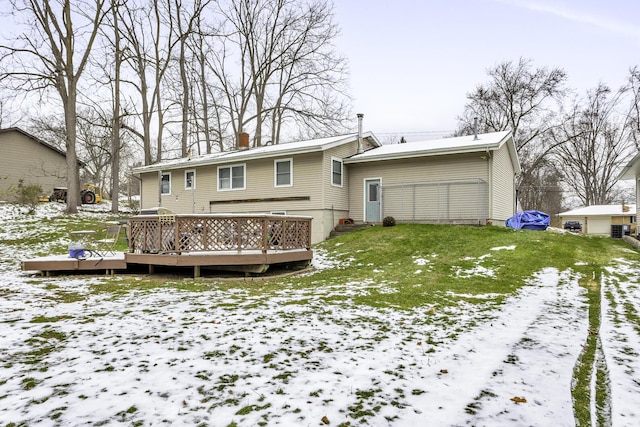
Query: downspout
{"x": 490, "y": 171}
{"x": 159, "y": 188}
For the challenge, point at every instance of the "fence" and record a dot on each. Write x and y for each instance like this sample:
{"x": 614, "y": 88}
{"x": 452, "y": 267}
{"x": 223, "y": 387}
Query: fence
{"x": 217, "y": 233}
{"x": 454, "y": 202}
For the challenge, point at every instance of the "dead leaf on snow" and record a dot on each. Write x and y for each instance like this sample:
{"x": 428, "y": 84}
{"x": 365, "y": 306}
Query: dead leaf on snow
{"x": 517, "y": 399}
{"x": 325, "y": 420}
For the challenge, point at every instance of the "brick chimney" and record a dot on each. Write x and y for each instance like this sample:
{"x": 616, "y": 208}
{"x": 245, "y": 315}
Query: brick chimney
{"x": 243, "y": 141}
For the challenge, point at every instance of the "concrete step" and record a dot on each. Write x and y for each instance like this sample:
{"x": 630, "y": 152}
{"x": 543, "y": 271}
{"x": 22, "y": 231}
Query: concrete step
{"x": 341, "y": 229}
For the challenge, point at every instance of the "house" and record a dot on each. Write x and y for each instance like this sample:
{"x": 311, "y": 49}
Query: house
{"x": 631, "y": 172}
{"x": 463, "y": 180}
{"x": 28, "y": 158}
{"x": 605, "y": 220}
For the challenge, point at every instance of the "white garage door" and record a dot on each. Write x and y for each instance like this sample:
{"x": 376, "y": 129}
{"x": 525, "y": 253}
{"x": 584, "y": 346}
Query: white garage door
{"x": 599, "y": 226}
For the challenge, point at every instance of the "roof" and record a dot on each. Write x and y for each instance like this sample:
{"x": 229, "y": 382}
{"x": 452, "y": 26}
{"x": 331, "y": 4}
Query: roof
{"x": 457, "y": 145}
{"x": 35, "y": 138}
{"x": 601, "y": 210}
{"x": 265, "y": 151}
{"x": 631, "y": 170}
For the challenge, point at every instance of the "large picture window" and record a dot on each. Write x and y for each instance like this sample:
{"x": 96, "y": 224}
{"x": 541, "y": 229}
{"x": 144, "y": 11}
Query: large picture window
{"x": 283, "y": 172}
{"x": 165, "y": 183}
{"x": 336, "y": 172}
{"x": 231, "y": 177}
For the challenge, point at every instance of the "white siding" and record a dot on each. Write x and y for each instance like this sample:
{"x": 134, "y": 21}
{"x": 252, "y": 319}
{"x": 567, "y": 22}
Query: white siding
{"x": 310, "y": 179}
{"x": 412, "y": 171}
{"x": 502, "y": 185}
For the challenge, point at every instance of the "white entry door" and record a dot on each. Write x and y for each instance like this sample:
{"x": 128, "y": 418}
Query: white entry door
{"x": 373, "y": 200}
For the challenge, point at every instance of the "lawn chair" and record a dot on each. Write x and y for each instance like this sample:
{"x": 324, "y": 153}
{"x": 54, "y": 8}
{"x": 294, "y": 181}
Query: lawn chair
{"x": 106, "y": 245}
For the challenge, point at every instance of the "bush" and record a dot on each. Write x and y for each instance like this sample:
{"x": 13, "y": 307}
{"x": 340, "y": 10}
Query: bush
{"x": 388, "y": 221}
{"x": 28, "y": 195}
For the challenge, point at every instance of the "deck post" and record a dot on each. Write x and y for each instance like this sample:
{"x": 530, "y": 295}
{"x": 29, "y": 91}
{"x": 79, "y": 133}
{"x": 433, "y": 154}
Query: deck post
{"x": 196, "y": 271}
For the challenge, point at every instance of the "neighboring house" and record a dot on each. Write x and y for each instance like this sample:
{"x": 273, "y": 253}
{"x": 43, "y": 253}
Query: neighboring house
{"x": 29, "y": 158}
{"x": 463, "y": 180}
{"x": 599, "y": 219}
{"x": 631, "y": 172}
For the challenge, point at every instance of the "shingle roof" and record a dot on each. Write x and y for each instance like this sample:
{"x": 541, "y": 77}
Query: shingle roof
{"x": 265, "y": 151}
{"x": 455, "y": 145}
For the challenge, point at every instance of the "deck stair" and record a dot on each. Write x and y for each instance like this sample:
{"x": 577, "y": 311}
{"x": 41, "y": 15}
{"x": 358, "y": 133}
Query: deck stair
{"x": 341, "y": 229}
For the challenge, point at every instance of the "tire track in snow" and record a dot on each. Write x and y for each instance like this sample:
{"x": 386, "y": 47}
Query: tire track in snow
{"x": 621, "y": 341}
{"x": 536, "y": 340}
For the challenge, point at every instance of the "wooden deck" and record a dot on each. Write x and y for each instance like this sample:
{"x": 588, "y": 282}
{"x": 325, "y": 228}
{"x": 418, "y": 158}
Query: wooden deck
{"x": 244, "y": 243}
{"x": 52, "y": 263}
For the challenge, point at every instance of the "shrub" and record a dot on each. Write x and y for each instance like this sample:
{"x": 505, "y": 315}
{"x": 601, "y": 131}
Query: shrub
{"x": 388, "y": 221}
{"x": 28, "y": 195}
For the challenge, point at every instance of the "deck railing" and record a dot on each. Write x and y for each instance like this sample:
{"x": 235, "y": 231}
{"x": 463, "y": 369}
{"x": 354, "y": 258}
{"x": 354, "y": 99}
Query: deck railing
{"x": 217, "y": 233}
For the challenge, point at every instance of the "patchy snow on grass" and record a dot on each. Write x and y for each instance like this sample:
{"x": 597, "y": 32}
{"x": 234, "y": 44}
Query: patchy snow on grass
{"x": 504, "y": 248}
{"x": 73, "y": 355}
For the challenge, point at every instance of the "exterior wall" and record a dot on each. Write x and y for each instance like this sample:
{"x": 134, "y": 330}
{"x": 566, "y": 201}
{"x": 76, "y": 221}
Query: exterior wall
{"x": 409, "y": 171}
{"x": 311, "y": 178}
{"x": 502, "y": 187}
{"x": 601, "y": 224}
{"x": 337, "y": 197}
{"x": 27, "y": 159}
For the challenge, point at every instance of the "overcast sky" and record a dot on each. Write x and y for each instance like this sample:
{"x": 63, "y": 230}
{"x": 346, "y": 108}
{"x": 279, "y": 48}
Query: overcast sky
{"x": 412, "y": 61}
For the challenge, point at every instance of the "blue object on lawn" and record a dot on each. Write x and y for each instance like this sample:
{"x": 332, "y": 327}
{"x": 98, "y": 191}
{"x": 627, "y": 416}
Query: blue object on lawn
{"x": 529, "y": 220}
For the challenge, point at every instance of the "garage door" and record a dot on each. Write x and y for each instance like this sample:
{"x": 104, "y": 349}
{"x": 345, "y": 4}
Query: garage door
{"x": 599, "y": 226}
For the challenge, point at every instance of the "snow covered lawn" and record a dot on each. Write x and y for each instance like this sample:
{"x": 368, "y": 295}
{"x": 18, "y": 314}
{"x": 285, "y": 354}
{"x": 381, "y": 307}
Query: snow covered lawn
{"x": 299, "y": 356}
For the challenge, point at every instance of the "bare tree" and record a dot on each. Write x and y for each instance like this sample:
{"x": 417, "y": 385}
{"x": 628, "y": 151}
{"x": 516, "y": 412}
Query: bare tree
{"x": 289, "y": 67}
{"x": 54, "y": 54}
{"x": 146, "y": 28}
{"x": 115, "y": 137}
{"x": 598, "y": 137}
{"x": 524, "y": 100}
{"x": 634, "y": 110}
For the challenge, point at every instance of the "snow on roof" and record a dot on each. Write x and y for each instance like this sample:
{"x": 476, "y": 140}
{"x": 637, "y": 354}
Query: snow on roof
{"x": 460, "y": 144}
{"x": 603, "y": 210}
{"x": 307, "y": 146}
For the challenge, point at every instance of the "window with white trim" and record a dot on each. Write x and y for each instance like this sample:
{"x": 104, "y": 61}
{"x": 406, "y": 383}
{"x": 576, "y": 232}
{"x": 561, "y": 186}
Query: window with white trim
{"x": 231, "y": 177}
{"x": 165, "y": 183}
{"x": 336, "y": 172}
{"x": 283, "y": 172}
{"x": 190, "y": 179}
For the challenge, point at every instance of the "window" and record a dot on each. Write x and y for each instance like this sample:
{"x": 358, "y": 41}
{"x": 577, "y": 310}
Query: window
{"x": 373, "y": 191}
{"x": 336, "y": 172}
{"x": 283, "y": 170}
{"x": 190, "y": 180}
{"x": 165, "y": 183}
{"x": 231, "y": 177}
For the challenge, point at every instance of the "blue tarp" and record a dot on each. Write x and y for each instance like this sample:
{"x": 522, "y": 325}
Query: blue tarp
{"x": 529, "y": 220}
